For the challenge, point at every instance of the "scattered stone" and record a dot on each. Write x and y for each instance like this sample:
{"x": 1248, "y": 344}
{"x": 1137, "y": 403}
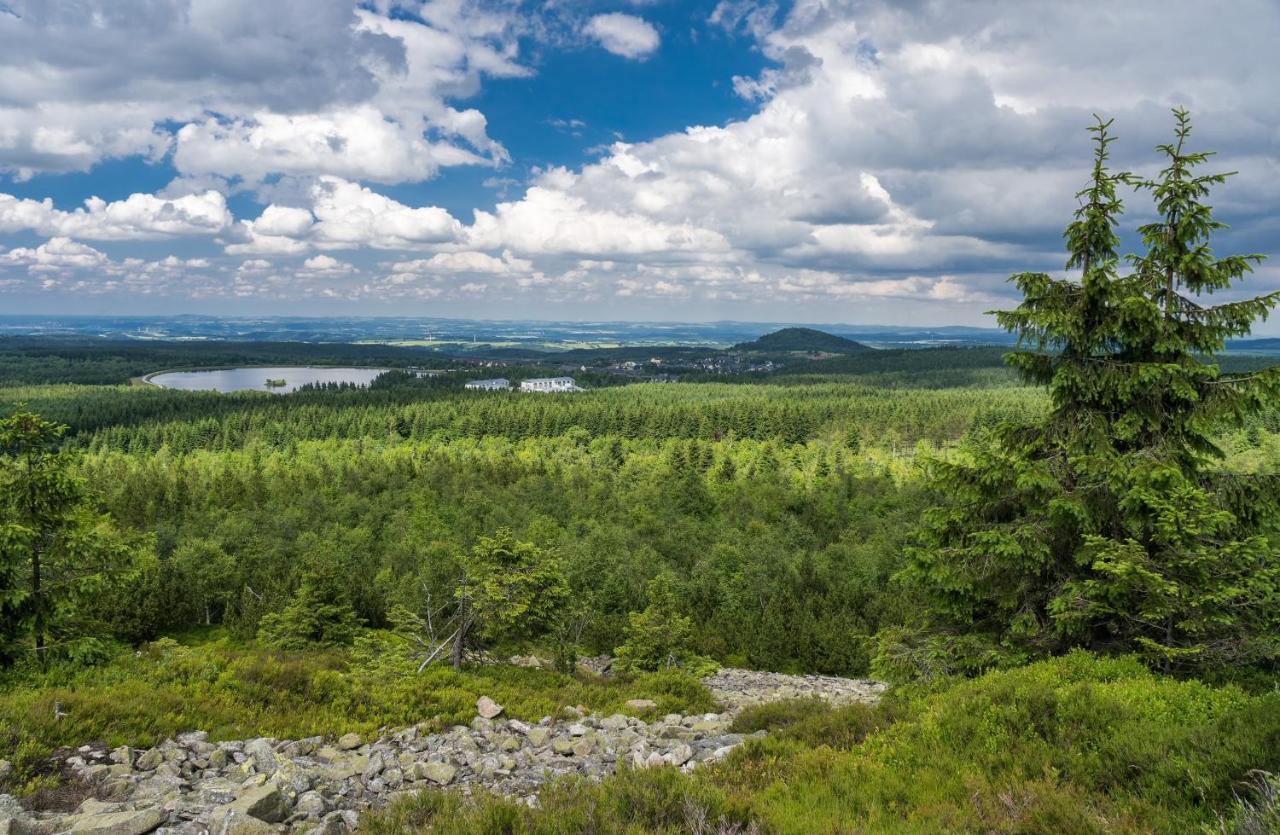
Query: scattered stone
{"x": 531, "y": 661}
{"x": 736, "y": 689}
{"x": 192, "y": 786}
{"x": 488, "y": 708}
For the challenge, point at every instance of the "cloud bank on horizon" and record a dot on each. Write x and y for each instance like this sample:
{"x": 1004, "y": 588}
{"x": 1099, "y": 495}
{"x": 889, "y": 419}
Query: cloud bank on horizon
{"x": 837, "y": 160}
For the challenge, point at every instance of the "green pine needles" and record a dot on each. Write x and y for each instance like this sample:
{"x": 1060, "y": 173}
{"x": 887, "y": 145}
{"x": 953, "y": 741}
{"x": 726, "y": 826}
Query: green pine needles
{"x": 1107, "y": 524}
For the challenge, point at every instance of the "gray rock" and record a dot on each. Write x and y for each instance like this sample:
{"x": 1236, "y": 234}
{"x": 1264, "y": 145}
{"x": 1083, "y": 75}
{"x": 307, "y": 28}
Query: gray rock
{"x": 264, "y": 755}
{"x": 150, "y": 760}
{"x": 441, "y": 774}
{"x": 641, "y": 704}
{"x": 330, "y": 826}
{"x": 232, "y": 822}
{"x": 349, "y": 742}
{"x": 374, "y": 768}
{"x": 616, "y": 722}
{"x": 312, "y": 804}
{"x": 488, "y": 708}
{"x": 266, "y": 803}
{"x": 679, "y": 755}
{"x": 121, "y": 823}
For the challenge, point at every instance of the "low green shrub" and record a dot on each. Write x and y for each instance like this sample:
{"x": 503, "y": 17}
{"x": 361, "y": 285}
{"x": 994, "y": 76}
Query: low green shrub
{"x": 659, "y": 800}
{"x": 773, "y": 716}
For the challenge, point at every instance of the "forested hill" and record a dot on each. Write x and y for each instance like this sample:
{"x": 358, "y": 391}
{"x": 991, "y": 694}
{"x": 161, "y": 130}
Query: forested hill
{"x": 803, "y": 339}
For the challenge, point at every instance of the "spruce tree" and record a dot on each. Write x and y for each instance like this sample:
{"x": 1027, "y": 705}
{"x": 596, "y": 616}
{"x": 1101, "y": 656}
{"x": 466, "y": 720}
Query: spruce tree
{"x": 56, "y": 551}
{"x": 1108, "y": 523}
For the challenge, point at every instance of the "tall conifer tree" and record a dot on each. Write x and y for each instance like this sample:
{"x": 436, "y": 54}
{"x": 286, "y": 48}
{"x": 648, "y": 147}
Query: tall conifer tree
{"x": 1108, "y": 523}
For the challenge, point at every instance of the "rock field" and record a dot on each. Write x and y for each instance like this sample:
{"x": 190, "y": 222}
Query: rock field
{"x": 193, "y": 785}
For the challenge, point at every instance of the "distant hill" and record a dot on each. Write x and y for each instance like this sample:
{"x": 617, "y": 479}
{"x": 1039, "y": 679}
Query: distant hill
{"x": 803, "y": 339}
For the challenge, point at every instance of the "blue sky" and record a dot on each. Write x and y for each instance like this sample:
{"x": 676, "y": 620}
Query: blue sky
{"x": 818, "y": 160}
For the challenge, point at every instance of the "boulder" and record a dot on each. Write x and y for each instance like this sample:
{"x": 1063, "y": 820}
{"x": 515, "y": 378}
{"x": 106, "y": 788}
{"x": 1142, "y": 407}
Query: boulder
{"x": 232, "y": 822}
{"x": 374, "y": 768}
{"x": 441, "y": 774}
{"x": 150, "y": 760}
{"x": 616, "y": 722}
{"x": 312, "y": 805}
{"x": 538, "y": 736}
{"x": 330, "y": 826}
{"x": 679, "y": 755}
{"x": 641, "y": 704}
{"x": 120, "y": 823}
{"x": 488, "y": 708}
{"x": 10, "y": 807}
{"x": 264, "y": 755}
{"x": 266, "y": 803}
{"x": 348, "y": 742}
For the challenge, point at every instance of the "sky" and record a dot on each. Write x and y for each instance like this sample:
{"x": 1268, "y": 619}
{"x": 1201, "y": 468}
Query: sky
{"x": 841, "y": 161}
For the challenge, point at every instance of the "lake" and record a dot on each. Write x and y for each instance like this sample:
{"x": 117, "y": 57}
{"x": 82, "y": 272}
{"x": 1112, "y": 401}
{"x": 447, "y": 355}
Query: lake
{"x": 255, "y": 379}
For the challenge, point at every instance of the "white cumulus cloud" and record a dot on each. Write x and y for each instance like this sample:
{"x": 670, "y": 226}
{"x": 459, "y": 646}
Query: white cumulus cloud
{"x": 623, "y": 34}
{"x": 137, "y": 217}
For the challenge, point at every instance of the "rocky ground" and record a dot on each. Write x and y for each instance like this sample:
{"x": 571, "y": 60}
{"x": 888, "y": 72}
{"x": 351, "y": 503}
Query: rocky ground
{"x": 192, "y": 785}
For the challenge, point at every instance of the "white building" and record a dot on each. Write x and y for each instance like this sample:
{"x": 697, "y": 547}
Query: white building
{"x": 549, "y": 384}
{"x": 500, "y": 384}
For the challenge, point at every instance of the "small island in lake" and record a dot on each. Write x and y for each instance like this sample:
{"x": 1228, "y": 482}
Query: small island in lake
{"x": 276, "y": 383}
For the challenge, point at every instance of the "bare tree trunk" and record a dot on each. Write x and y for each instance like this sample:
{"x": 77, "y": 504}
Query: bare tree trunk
{"x": 464, "y": 630}
{"x": 459, "y": 647}
{"x": 37, "y": 599}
